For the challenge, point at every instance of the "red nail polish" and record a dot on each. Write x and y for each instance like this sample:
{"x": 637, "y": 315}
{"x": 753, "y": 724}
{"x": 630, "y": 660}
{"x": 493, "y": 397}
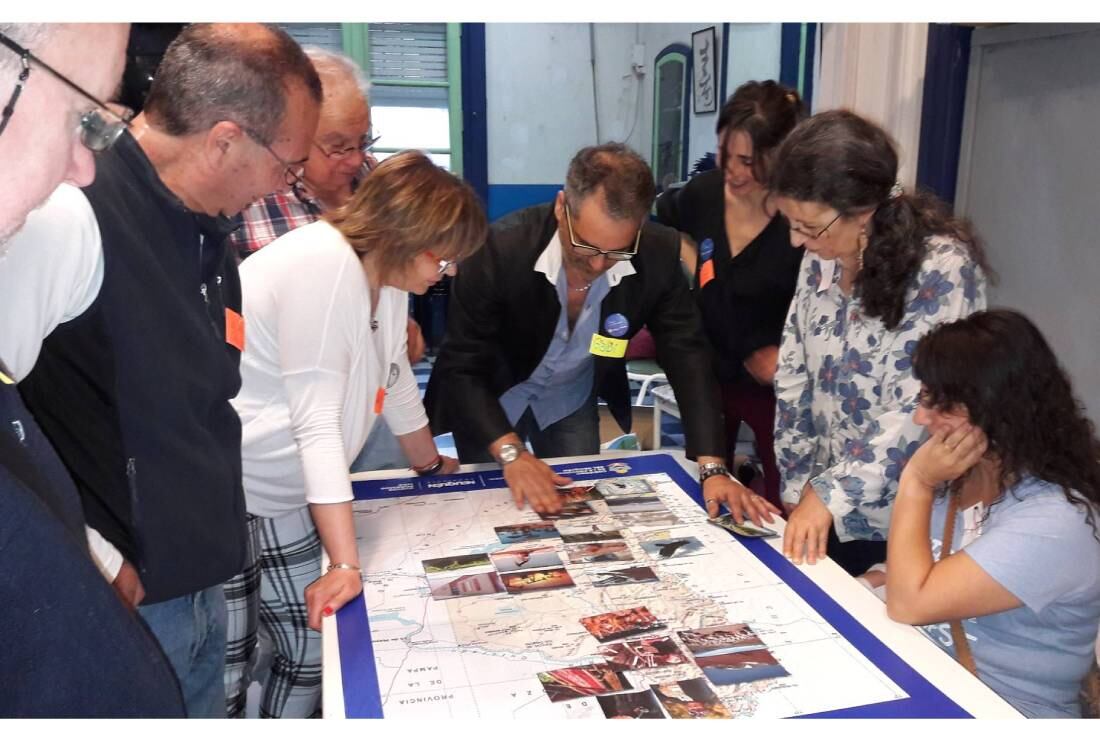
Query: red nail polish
{"x": 327, "y": 611}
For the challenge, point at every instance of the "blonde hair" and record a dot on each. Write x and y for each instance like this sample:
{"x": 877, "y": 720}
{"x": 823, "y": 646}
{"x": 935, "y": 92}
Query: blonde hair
{"x": 407, "y": 206}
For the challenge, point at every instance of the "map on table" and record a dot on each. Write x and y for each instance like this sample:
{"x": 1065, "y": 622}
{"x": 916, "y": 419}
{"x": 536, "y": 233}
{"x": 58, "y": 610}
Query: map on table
{"x": 638, "y": 608}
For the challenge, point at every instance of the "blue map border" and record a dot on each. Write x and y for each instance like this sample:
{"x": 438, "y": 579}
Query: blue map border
{"x": 362, "y": 696}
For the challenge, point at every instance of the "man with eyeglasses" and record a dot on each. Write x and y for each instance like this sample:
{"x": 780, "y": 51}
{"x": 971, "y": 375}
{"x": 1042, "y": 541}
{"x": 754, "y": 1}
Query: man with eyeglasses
{"x": 132, "y": 386}
{"x": 338, "y": 161}
{"x": 71, "y": 649}
{"x": 538, "y": 324}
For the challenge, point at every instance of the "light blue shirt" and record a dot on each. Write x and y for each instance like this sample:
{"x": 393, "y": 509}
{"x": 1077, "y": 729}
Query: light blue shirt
{"x": 1038, "y": 546}
{"x": 562, "y": 381}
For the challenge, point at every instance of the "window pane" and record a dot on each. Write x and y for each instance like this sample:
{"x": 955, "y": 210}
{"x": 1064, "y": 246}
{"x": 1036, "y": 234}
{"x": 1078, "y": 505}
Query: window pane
{"x": 326, "y": 35}
{"x": 410, "y": 127}
{"x": 670, "y": 115}
{"x": 408, "y": 51}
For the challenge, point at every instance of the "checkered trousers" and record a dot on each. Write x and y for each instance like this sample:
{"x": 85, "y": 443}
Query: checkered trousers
{"x": 284, "y": 557}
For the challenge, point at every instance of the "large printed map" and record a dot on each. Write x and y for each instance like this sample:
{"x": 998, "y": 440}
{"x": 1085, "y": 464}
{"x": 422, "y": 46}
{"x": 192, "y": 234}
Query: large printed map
{"x": 480, "y": 655}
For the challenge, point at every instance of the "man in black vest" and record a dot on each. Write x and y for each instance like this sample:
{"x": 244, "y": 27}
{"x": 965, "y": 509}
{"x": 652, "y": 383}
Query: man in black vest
{"x": 538, "y": 324}
{"x": 71, "y": 649}
{"x": 133, "y": 386}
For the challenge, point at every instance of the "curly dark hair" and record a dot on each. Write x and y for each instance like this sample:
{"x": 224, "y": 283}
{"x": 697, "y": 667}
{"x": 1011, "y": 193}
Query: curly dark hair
{"x": 850, "y": 164}
{"x": 998, "y": 366}
{"x": 766, "y": 112}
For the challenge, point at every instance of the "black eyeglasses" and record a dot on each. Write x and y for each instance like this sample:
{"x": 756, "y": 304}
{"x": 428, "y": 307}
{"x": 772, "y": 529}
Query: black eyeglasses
{"x": 293, "y": 173}
{"x": 592, "y": 251}
{"x": 338, "y": 154}
{"x": 819, "y": 234}
{"x": 97, "y": 133}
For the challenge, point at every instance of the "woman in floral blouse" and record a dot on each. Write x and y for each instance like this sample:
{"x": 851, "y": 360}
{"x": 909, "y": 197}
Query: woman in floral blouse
{"x": 882, "y": 267}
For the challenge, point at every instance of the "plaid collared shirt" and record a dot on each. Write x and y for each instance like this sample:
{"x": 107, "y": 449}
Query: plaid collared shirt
{"x": 271, "y": 218}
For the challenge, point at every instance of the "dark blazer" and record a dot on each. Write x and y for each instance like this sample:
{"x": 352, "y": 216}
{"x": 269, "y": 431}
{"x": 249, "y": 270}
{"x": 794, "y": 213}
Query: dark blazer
{"x": 502, "y": 316}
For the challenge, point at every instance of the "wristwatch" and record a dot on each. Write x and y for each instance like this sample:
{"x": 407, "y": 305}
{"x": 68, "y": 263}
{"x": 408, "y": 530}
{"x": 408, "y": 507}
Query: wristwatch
{"x": 509, "y": 453}
{"x": 708, "y": 470}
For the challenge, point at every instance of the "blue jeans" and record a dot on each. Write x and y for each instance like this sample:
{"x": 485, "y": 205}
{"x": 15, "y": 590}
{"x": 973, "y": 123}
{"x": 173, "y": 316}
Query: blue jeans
{"x": 576, "y": 434}
{"x": 381, "y": 451}
{"x": 191, "y": 631}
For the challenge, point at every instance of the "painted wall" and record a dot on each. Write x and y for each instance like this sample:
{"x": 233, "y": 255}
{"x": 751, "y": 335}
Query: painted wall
{"x": 542, "y": 101}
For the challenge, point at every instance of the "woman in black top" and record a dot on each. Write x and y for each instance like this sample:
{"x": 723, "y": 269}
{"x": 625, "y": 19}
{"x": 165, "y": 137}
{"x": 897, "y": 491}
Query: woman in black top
{"x": 739, "y": 249}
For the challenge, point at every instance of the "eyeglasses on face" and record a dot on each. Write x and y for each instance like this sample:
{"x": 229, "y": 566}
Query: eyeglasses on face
{"x": 823, "y": 230}
{"x": 592, "y": 251}
{"x": 339, "y": 154}
{"x": 293, "y": 173}
{"x": 444, "y": 265}
{"x": 97, "y": 132}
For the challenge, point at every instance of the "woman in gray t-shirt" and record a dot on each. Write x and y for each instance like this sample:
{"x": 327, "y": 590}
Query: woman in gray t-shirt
{"x": 1010, "y": 481}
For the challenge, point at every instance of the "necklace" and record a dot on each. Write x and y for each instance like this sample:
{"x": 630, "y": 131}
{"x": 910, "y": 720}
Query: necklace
{"x": 582, "y": 289}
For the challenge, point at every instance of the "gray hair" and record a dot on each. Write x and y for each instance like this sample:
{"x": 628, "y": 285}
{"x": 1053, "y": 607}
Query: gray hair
{"x": 30, "y": 36}
{"x": 624, "y": 176}
{"x": 214, "y": 72}
{"x": 336, "y": 69}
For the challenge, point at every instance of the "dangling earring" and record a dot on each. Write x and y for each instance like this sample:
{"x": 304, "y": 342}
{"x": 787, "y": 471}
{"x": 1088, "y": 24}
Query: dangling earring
{"x": 862, "y": 246}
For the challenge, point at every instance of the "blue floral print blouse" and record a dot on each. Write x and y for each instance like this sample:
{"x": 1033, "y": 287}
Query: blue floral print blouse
{"x": 845, "y": 388}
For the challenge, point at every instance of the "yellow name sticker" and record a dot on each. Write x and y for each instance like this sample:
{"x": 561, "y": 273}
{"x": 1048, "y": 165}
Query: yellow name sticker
{"x": 5, "y": 379}
{"x": 607, "y": 346}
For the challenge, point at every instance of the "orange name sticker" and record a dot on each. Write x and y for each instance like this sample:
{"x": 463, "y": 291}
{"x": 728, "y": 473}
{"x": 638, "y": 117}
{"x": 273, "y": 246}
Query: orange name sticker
{"x": 379, "y": 400}
{"x": 706, "y": 273}
{"x": 234, "y": 329}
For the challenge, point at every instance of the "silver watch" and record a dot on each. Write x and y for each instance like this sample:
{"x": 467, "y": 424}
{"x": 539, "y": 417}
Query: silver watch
{"x": 708, "y": 470}
{"x": 509, "y": 453}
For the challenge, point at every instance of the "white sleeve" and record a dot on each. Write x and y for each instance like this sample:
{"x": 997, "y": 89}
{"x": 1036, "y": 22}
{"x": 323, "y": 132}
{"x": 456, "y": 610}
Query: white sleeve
{"x": 104, "y": 554}
{"x": 317, "y": 305}
{"x": 404, "y": 411}
{"x": 50, "y": 273}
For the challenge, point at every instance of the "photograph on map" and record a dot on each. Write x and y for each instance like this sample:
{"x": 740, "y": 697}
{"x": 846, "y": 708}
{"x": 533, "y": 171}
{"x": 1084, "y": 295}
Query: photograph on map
{"x": 589, "y": 537}
{"x": 621, "y": 623}
{"x": 519, "y": 560}
{"x": 466, "y": 585}
{"x": 690, "y": 699}
{"x": 630, "y": 575}
{"x": 454, "y": 563}
{"x": 579, "y": 493}
{"x": 635, "y": 504}
{"x": 673, "y": 548}
{"x": 561, "y": 685}
{"x": 625, "y": 486}
{"x": 756, "y": 664}
{"x": 631, "y": 706}
{"x": 523, "y": 532}
{"x": 731, "y": 638}
{"x": 603, "y": 551}
{"x": 656, "y": 519}
{"x": 569, "y": 510}
{"x": 747, "y": 529}
{"x": 536, "y": 580}
{"x": 643, "y": 653}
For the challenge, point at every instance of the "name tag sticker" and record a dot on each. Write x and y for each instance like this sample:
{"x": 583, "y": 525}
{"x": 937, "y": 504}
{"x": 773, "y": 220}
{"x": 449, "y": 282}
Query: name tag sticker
{"x": 706, "y": 273}
{"x": 379, "y": 400}
{"x": 607, "y": 347}
{"x": 234, "y": 329}
{"x": 5, "y": 379}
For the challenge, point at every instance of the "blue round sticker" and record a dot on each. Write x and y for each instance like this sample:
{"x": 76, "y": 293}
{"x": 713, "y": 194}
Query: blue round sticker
{"x": 706, "y": 249}
{"x": 616, "y": 325}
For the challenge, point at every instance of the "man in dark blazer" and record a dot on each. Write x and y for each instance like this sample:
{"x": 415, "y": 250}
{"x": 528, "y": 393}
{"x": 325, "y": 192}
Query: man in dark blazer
{"x": 538, "y": 324}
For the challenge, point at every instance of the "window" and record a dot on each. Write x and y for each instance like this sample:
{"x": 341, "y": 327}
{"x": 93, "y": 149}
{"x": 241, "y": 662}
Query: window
{"x": 416, "y": 94}
{"x": 670, "y": 133}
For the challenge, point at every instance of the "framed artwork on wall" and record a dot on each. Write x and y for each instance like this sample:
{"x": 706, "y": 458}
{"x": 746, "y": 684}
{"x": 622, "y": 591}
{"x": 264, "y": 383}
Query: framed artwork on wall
{"x": 704, "y": 49}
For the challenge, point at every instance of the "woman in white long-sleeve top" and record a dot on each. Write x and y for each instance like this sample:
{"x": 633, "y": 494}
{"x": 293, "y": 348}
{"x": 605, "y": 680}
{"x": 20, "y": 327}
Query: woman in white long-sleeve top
{"x": 325, "y": 309}
{"x": 882, "y": 267}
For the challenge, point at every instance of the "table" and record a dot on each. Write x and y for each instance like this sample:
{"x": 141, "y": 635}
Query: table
{"x": 934, "y": 683}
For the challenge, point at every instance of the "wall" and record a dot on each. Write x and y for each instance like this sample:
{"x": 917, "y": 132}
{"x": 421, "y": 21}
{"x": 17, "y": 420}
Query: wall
{"x": 1029, "y": 176}
{"x": 541, "y": 104}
